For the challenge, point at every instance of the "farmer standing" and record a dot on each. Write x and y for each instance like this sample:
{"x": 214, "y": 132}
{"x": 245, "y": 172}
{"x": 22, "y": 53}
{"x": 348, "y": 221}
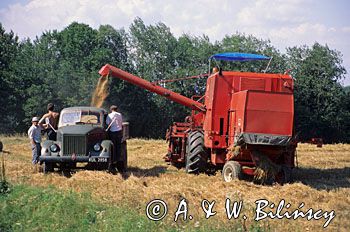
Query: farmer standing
{"x": 114, "y": 121}
{"x": 34, "y": 134}
{"x": 49, "y": 121}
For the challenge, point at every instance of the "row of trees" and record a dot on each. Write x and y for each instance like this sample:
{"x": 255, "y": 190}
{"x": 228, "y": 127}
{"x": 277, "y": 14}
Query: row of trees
{"x": 62, "y": 67}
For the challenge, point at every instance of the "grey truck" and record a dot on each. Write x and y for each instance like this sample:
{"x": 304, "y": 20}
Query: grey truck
{"x": 82, "y": 138}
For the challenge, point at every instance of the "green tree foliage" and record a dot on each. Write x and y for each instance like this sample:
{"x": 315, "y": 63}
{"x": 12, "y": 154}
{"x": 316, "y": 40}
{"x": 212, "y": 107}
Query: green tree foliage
{"x": 319, "y": 98}
{"x": 347, "y": 89}
{"x": 62, "y": 67}
{"x": 8, "y": 89}
{"x": 157, "y": 55}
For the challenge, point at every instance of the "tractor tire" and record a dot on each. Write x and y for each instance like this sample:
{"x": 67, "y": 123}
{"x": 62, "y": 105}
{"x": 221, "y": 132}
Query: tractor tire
{"x": 196, "y": 155}
{"x": 232, "y": 170}
{"x": 48, "y": 167}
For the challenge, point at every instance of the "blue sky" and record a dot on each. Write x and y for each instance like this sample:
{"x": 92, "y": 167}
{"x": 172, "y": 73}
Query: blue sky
{"x": 285, "y": 22}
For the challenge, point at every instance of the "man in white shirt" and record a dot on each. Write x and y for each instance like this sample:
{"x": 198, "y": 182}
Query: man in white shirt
{"x": 34, "y": 134}
{"x": 114, "y": 121}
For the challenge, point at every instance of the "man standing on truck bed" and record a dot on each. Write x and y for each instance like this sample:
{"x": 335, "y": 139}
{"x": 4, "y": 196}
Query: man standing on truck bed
{"x": 49, "y": 121}
{"x": 114, "y": 121}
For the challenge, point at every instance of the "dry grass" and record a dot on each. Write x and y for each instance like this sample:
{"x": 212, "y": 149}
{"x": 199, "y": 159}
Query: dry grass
{"x": 322, "y": 181}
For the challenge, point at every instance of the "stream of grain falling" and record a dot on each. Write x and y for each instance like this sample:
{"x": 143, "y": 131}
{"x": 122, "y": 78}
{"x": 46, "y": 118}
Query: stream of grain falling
{"x": 101, "y": 92}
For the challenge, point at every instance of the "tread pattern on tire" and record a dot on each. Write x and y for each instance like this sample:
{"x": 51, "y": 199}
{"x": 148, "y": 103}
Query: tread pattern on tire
{"x": 196, "y": 158}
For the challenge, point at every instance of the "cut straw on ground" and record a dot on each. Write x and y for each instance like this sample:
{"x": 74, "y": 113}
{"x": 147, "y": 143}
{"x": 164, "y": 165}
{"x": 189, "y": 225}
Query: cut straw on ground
{"x": 322, "y": 181}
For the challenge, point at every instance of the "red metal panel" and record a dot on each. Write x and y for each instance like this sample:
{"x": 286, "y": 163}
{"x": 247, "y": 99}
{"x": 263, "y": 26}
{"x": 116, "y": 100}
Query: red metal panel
{"x": 217, "y": 101}
{"x": 269, "y": 113}
{"x": 268, "y": 84}
{"x": 218, "y": 156}
{"x": 238, "y": 107}
{"x": 252, "y": 84}
{"x": 209, "y": 96}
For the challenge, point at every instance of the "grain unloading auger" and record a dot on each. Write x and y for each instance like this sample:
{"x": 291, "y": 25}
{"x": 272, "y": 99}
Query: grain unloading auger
{"x": 243, "y": 123}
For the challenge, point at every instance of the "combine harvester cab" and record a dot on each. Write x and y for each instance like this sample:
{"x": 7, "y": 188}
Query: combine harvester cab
{"x": 242, "y": 125}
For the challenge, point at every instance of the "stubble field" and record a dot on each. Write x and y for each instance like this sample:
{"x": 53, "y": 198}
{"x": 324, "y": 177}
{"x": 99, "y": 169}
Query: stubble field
{"x": 321, "y": 182}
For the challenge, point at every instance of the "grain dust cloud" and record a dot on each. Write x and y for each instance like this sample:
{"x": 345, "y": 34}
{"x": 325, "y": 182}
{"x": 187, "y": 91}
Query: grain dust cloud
{"x": 101, "y": 92}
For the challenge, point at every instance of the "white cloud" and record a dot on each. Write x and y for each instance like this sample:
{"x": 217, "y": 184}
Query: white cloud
{"x": 289, "y": 23}
{"x": 284, "y": 22}
{"x": 264, "y": 12}
{"x": 38, "y": 15}
{"x": 195, "y": 17}
{"x": 346, "y": 29}
{"x": 304, "y": 33}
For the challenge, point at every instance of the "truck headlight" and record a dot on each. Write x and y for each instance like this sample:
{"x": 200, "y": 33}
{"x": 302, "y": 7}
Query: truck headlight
{"x": 54, "y": 148}
{"x": 97, "y": 147}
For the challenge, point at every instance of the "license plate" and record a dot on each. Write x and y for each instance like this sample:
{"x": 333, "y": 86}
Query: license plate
{"x": 98, "y": 159}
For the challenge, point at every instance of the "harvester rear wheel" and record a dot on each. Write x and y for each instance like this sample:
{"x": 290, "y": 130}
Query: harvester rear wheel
{"x": 196, "y": 157}
{"x": 232, "y": 170}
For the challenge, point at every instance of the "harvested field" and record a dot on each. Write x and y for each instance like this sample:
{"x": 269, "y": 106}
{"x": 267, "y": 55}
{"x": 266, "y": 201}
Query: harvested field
{"x": 322, "y": 181}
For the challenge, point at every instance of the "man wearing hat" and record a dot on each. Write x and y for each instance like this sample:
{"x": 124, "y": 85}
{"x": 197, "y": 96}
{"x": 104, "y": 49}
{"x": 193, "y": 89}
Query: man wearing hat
{"x": 34, "y": 134}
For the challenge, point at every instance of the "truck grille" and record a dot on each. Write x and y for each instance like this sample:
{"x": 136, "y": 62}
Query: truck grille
{"x": 74, "y": 144}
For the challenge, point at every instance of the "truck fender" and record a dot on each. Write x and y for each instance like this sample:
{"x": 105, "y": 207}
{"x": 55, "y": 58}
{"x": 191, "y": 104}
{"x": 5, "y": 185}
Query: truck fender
{"x": 45, "y": 147}
{"x": 107, "y": 147}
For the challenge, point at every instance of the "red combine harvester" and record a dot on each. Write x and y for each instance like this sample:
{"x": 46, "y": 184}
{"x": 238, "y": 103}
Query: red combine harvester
{"x": 243, "y": 123}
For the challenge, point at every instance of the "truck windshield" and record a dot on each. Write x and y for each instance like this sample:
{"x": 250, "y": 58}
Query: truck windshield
{"x": 80, "y": 117}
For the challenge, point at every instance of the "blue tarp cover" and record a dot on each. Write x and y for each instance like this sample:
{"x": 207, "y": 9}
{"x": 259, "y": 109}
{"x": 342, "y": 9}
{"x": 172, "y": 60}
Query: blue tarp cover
{"x": 235, "y": 56}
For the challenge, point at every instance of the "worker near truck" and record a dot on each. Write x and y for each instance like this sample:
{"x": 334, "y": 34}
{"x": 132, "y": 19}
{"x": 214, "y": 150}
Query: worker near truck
{"x": 49, "y": 122}
{"x": 114, "y": 121}
{"x": 34, "y": 134}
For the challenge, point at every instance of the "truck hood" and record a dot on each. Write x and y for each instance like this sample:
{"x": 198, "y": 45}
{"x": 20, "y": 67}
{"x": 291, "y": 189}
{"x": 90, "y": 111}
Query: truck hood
{"x": 79, "y": 129}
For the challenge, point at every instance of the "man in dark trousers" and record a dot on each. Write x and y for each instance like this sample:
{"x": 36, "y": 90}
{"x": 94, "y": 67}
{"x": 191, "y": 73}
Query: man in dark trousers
{"x": 114, "y": 121}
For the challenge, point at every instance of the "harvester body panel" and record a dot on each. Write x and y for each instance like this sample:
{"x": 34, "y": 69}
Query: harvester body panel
{"x": 247, "y": 106}
{"x": 268, "y": 113}
{"x": 217, "y": 102}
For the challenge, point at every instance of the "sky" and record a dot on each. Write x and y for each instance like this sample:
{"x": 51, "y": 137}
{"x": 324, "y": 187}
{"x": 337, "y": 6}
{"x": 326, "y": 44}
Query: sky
{"x": 286, "y": 23}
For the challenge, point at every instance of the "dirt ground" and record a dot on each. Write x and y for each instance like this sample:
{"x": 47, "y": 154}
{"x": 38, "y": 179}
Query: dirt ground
{"x": 321, "y": 182}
